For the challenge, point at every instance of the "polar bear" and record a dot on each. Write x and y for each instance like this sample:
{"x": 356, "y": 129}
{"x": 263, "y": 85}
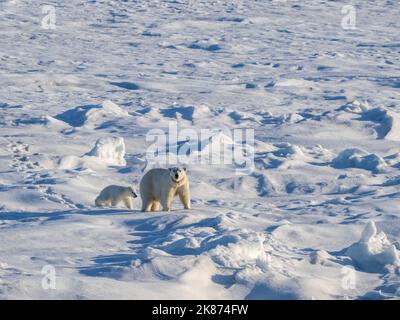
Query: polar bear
{"x": 112, "y": 195}
{"x": 160, "y": 186}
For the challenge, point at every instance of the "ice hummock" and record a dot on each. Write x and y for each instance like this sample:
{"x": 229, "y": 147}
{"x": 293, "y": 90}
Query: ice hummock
{"x": 110, "y": 150}
{"x": 373, "y": 251}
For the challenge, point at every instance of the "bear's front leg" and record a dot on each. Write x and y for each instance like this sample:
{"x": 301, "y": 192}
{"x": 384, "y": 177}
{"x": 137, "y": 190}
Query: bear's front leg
{"x": 184, "y": 196}
{"x": 128, "y": 203}
{"x": 185, "y": 199}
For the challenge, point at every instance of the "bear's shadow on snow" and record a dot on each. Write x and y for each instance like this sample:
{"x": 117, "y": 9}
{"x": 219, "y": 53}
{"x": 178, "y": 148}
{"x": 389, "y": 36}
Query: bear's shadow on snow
{"x": 147, "y": 235}
{"x": 114, "y": 265}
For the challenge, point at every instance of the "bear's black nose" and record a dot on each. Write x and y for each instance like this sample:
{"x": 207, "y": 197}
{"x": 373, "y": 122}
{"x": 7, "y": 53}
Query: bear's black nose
{"x": 176, "y": 176}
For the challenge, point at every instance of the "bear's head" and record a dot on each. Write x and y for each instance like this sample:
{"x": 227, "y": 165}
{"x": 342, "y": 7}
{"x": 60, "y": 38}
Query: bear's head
{"x": 177, "y": 174}
{"x": 133, "y": 193}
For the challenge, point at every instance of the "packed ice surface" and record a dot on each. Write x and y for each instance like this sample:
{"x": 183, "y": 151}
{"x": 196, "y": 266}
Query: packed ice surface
{"x": 323, "y": 102}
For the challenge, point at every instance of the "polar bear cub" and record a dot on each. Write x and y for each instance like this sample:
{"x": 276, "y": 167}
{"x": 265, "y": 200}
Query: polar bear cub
{"x": 160, "y": 186}
{"x": 112, "y": 195}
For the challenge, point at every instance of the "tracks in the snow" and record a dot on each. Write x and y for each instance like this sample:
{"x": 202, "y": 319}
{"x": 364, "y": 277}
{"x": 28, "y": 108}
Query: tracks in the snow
{"x": 31, "y": 177}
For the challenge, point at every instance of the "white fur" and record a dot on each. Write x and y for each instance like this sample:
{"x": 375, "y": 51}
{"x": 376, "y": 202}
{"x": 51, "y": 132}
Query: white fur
{"x": 113, "y": 195}
{"x": 160, "y": 186}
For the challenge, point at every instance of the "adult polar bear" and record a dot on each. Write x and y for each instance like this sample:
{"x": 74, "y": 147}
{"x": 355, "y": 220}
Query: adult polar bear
{"x": 160, "y": 186}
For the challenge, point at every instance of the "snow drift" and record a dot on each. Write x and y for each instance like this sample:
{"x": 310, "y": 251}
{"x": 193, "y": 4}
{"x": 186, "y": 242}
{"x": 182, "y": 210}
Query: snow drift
{"x": 358, "y": 158}
{"x": 387, "y": 123}
{"x": 92, "y": 115}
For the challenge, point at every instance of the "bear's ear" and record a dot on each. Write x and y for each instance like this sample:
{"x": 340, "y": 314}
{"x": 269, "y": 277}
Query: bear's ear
{"x": 184, "y": 169}
{"x": 169, "y": 169}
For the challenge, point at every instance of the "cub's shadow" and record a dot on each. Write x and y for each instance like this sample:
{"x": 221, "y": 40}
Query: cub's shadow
{"x": 24, "y": 216}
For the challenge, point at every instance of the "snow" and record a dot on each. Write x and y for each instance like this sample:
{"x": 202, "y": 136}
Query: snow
{"x": 78, "y": 102}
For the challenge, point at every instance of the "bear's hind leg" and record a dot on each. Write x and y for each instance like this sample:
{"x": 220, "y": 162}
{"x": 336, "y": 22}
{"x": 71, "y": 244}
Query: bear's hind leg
{"x": 155, "y": 206}
{"x": 98, "y": 202}
{"x": 166, "y": 201}
{"x": 146, "y": 205}
{"x": 114, "y": 203}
